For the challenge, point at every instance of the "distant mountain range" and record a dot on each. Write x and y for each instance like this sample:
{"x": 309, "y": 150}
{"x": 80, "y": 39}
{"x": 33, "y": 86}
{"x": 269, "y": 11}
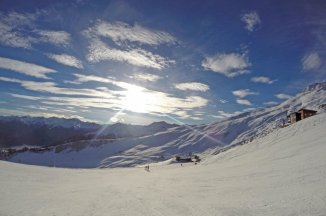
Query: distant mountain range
{"x": 39, "y": 131}
{"x": 128, "y": 145}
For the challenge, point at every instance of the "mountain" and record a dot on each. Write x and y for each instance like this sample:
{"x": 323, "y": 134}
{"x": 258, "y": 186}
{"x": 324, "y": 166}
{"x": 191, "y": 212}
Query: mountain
{"x": 50, "y": 122}
{"x": 180, "y": 140}
{"x": 282, "y": 173}
{"x": 120, "y": 130}
{"x": 40, "y": 131}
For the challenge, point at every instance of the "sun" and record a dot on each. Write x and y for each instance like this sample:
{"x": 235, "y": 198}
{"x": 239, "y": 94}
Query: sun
{"x": 136, "y": 99}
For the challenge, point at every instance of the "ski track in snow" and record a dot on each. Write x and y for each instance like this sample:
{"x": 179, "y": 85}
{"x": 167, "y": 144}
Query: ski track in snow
{"x": 282, "y": 173}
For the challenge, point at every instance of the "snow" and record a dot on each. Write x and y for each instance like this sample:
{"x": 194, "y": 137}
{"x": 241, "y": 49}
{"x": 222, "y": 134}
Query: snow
{"x": 280, "y": 173}
{"x": 165, "y": 141}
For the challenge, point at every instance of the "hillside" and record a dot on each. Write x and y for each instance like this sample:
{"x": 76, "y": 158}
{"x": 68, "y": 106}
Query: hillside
{"x": 179, "y": 140}
{"x": 282, "y": 173}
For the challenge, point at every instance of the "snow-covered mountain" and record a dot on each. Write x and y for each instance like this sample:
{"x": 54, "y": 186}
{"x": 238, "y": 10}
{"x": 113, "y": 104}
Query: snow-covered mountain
{"x": 50, "y": 122}
{"x": 16, "y": 131}
{"x": 204, "y": 139}
{"x": 38, "y": 131}
{"x": 282, "y": 173}
{"x": 120, "y": 130}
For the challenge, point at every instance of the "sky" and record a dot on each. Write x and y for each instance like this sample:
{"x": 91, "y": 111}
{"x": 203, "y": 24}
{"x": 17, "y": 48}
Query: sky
{"x": 137, "y": 62}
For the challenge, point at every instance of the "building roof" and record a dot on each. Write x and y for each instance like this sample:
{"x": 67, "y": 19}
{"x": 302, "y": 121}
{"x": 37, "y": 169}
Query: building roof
{"x": 306, "y": 110}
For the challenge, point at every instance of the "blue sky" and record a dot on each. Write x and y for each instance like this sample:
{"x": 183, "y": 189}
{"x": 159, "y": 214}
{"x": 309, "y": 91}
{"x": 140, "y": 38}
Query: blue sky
{"x": 137, "y": 62}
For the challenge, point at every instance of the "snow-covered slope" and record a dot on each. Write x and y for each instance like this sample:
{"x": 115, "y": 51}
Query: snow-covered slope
{"x": 240, "y": 129}
{"x": 120, "y": 130}
{"x": 282, "y": 173}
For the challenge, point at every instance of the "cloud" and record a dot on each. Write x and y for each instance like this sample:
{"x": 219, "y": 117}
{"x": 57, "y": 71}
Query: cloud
{"x": 66, "y": 60}
{"x": 244, "y": 102}
{"x": 271, "y": 103}
{"x": 181, "y": 114}
{"x": 11, "y": 27}
{"x": 27, "y": 97}
{"x": 153, "y": 102}
{"x": 121, "y": 32}
{"x": 25, "y": 68}
{"x": 51, "y": 87}
{"x": 157, "y": 101}
{"x": 145, "y": 77}
{"x": 222, "y": 114}
{"x": 98, "y": 51}
{"x": 43, "y": 113}
{"x": 118, "y": 117}
{"x": 193, "y": 86}
{"x": 249, "y": 109}
{"x": 311, "y": 61}
{"x": 19, "y": 30}
{"x": 243, "y": 93}
{"x": 230, "y": 65}
{"x": 251, "y": 20}
{"x": 222, "y": 101}
{"x": 55, "y": 37}
{"x": 283, "y": 96}
{"x": 262, "y": 79}
{"x": 225, "y": 114}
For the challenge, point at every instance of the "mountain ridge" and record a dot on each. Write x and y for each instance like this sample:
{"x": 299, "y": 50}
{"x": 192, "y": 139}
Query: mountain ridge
{"x": 183, "y": 139}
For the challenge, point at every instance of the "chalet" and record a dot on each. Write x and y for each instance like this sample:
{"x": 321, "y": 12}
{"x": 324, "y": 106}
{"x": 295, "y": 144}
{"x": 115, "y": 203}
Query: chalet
{"x": 183, "y": 160}
{"x": 300, "y": 114}
{"x": 322, "y": 106}
{"x": 192, "y": 158}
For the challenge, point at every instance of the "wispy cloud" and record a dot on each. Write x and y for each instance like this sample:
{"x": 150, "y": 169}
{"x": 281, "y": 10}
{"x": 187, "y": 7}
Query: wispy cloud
{"x": 230, "y": 65}
{"x": 145, "y": 77}
{"x": 181, "y": 114}
{"x": 283, "y": 96}
{"x": 251, "y": 20}
{"x": 25, "y": 68}
{"x": 243, "y": 93}
{"x": 51, "y": 87}
{"x": 223, "y": 114}
{"x": 155, "y": 102}
{"x": 19, "y": 30}
{"x": 262, "y": 79}
{"x": 54, "y": 37}
{"x": 66, "y": 60}
{"x": 99, "y": 51}
{"x": 271, "y": 103}
{"x": 311, "y": 61}
{"x": 11, "y": 25}
{"x": 244, "y": 102}
{"x": 121, "y": 32}
{"x": 222, "y": 101}
{"x": 193, "y": 86}
{"x": 42, "y": 112}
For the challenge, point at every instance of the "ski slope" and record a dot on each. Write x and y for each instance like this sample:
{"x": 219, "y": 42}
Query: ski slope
{"x": 282, "y": 173}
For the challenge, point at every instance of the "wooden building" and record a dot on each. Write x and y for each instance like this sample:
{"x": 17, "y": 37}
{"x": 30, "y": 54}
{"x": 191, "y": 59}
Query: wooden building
{"x": 300, "y": 114}
{"x": 322, "y": 106}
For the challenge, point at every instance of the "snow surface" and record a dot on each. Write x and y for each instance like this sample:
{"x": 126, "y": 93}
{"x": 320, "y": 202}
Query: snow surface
{"x": 181, "y": 140}
{"x": 281, "y": 173}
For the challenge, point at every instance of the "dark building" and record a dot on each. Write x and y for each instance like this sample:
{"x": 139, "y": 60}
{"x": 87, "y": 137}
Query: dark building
{"x": 322, "y": 106}
{"x": 300, "y": 114}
